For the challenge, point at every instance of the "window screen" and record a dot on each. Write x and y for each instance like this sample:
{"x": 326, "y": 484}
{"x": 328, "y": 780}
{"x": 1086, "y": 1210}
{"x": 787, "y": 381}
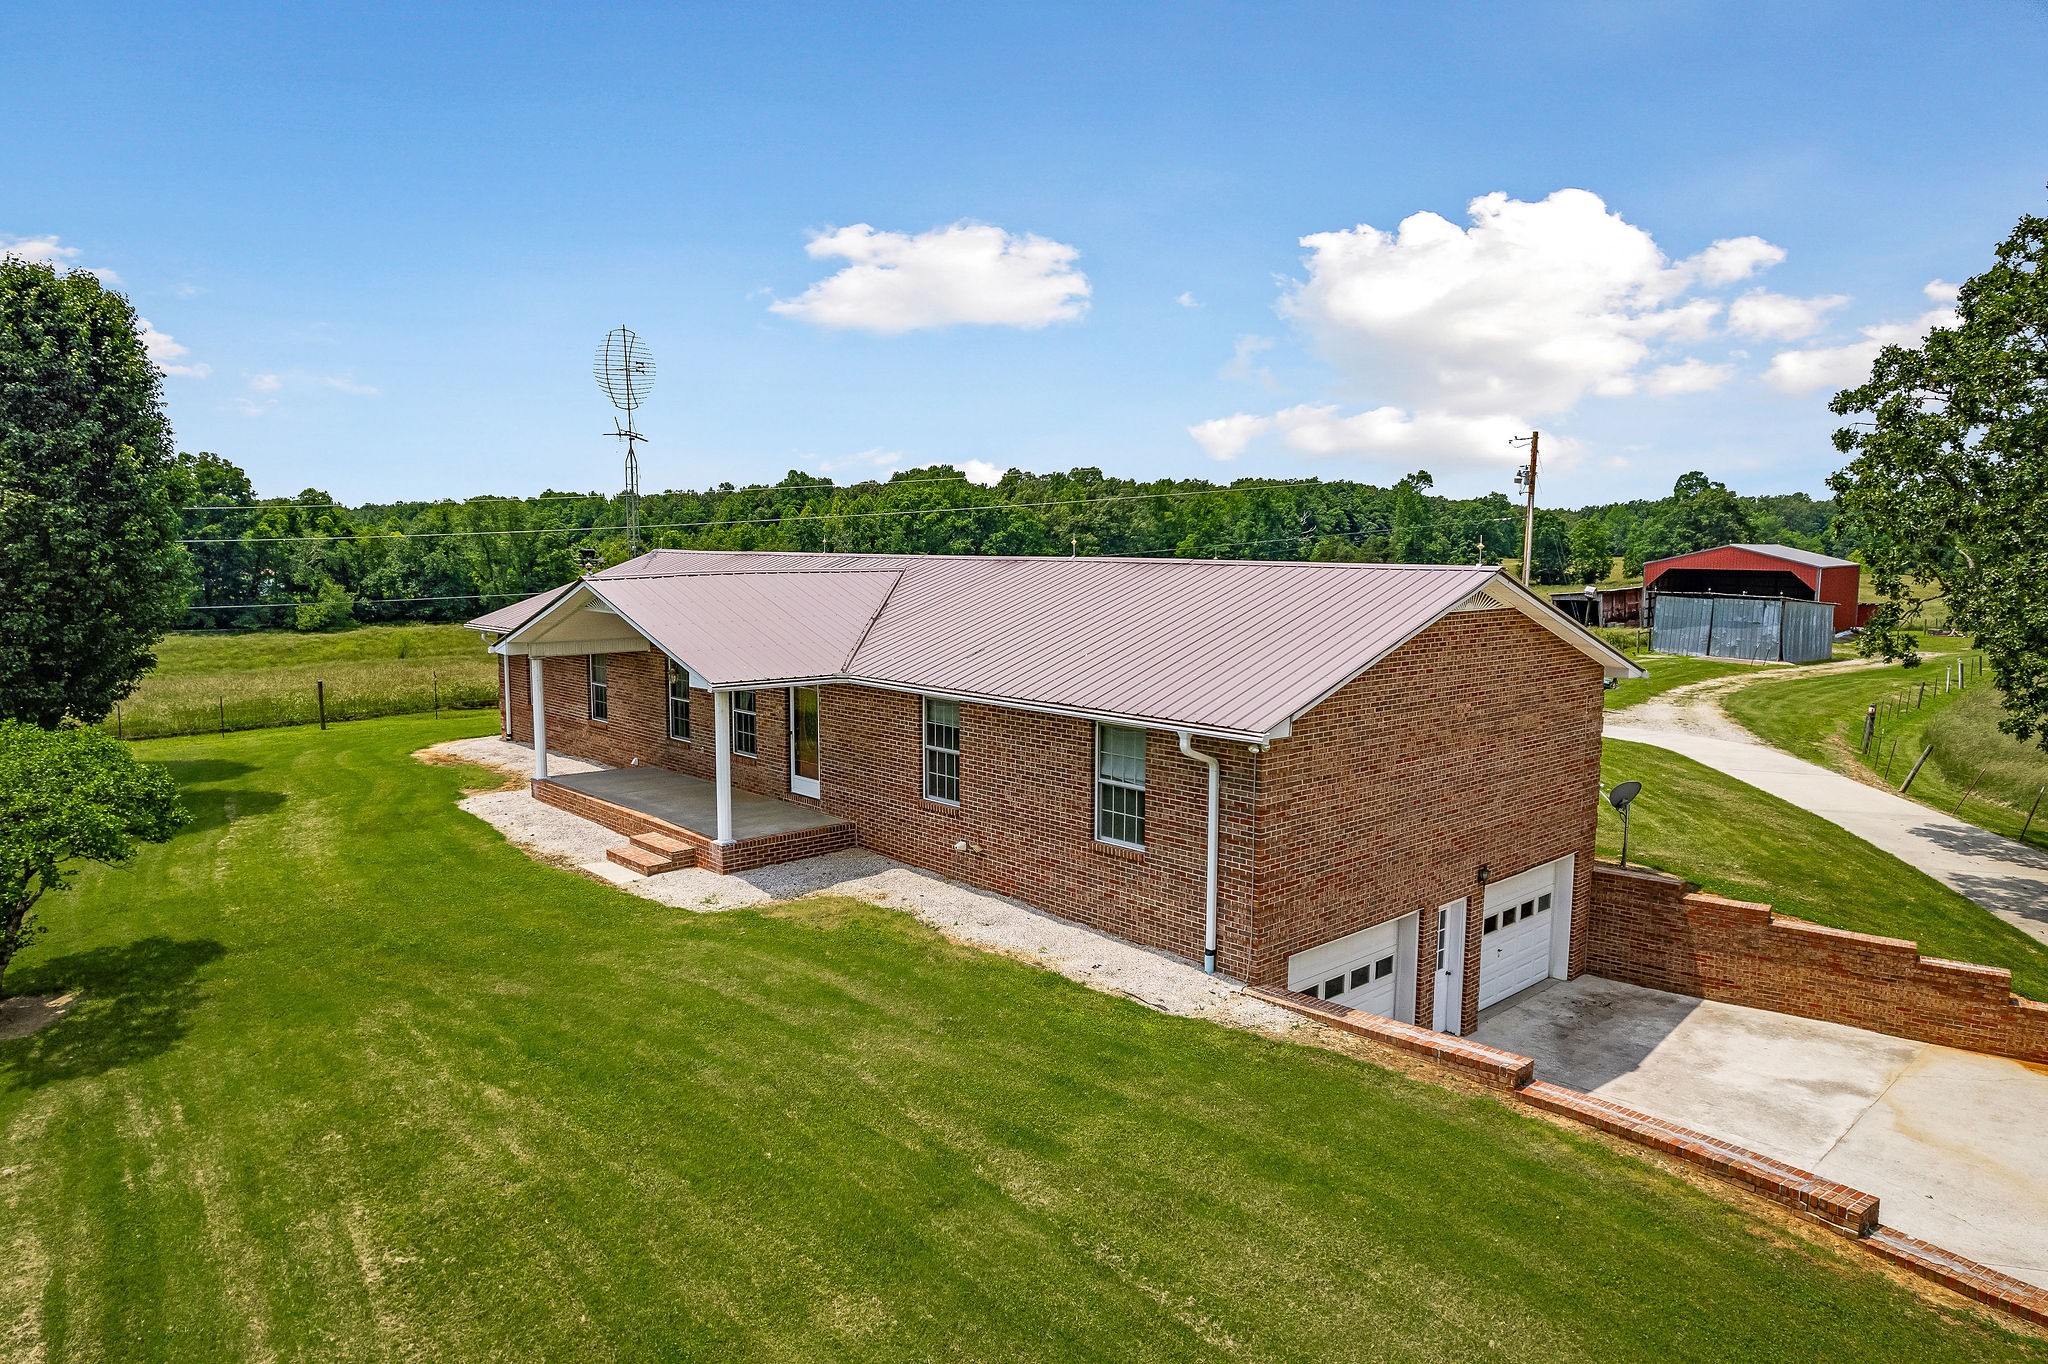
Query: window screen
{"x": 743, "y": 723}
{"x": 1120, "y": 785}
{"x": 678, "y": 703}
{"x": 942, "y": 750}
{"x": 600, "y": 701}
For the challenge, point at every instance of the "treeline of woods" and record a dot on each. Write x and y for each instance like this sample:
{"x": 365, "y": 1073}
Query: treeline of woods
{"x": 309, "y": 563}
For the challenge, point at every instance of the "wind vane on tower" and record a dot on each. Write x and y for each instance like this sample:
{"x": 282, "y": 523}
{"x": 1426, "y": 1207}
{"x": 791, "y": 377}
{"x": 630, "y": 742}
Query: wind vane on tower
{"x": 625, "y": 371}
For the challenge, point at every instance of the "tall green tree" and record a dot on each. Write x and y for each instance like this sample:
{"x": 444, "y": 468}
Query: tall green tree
{"x": 1590, "y": 561}
{"x": 1948, "y": 481}
{"x": 89, "y": 547}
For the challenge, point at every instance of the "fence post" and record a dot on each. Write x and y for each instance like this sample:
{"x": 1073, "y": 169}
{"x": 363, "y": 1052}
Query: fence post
{"x": 1921, "y": 700}
{"x": 320, "y": 700}
{"x": 437, "y": 693}
{"x": 1869, "y": 726}
{"x": 222, "y": 702}
{"x": 1971, "y": 792}
{"x": 1916, "y": 769}
{"x": 2030, "y": 812}
{"x": 1888, "y": 760}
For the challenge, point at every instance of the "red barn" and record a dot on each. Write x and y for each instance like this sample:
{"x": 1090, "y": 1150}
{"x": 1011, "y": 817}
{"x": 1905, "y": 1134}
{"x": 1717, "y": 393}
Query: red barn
{"x": 1762, "y": 571}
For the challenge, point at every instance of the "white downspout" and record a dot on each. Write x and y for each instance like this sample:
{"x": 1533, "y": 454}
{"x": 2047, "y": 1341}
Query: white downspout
{"x": 1187, "y": 748}
{"x": 721, "y": 740}
{"x": 540, "y": 719}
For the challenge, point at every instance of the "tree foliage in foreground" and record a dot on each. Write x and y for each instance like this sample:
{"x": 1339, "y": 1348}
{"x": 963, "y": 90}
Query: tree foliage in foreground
{"x": 1948, "y": 481}
{"x": 89, "y": 558}
{"x": 69, "y": 795}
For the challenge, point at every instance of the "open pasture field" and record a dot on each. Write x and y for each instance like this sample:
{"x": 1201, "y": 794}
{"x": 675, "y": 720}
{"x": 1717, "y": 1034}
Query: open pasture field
{"x": 351, "y": 1078}
{"x": 210, "y": 681}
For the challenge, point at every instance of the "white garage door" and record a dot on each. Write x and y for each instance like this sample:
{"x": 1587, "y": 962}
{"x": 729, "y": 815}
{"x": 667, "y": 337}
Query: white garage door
{"x": 1514, "y": 935}
{"x": 1363, "y": 970}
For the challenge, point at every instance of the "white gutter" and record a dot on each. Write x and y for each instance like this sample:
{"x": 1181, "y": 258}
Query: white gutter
{"x": 1187, "y": 748}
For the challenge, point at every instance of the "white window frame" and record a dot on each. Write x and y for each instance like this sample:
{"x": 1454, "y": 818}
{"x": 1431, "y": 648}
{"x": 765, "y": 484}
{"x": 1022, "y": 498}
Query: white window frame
{"x": 750, "y": 731}
{"x": 678, "y": 673}
{"x": 931, "y": 748}
{"x": 1119, "y": 783}
{"x": 599, "y": 669}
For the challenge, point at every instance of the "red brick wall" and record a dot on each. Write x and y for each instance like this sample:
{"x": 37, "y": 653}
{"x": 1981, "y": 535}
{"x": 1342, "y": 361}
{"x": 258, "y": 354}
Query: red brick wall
{"x": 1659, "y": 932}
{"x": 1027, "y": 812}
{"x": 1476, "y": 743}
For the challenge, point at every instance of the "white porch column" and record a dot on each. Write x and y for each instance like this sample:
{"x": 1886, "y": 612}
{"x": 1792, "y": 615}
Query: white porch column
{"x": 721, "y": 740}
{"x": 540, "y": 719}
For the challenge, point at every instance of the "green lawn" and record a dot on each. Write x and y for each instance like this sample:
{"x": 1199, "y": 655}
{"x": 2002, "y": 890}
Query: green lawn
{"x": 1735, "y": 840}
{"x": 208, "y": 680}
{"x": 1821, "y": 719}
{"x": 354, "y": 1079}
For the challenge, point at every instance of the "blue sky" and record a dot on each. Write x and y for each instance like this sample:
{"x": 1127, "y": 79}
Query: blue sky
{"x": 379, "y": 244}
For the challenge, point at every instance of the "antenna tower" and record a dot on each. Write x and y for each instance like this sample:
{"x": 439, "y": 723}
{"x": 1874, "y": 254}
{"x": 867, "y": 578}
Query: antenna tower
{"x": 625, "y": 371}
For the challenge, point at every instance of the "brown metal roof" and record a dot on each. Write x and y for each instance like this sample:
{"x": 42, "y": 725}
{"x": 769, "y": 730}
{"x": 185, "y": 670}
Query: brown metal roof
{"x": 1230, "y": 646}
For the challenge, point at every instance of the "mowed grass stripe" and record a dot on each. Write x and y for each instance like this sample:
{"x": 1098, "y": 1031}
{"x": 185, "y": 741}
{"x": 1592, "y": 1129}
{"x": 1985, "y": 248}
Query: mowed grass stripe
{"x": 352, "y": 1078}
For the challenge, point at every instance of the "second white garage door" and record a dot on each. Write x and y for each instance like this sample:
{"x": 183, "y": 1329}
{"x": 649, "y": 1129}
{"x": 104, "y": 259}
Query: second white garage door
{"x": 1373, "y": 970}
{"x": 1515, "y": 934}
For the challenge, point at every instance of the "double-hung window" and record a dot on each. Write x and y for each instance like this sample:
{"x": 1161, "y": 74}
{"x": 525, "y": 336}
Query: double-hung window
{"x": 600, "y": 702}
{"x": 942, "y": 750}
{"x": 678, "y": 703}
{"x": 1120, "y": 785}
{"x": 743, "y": 723}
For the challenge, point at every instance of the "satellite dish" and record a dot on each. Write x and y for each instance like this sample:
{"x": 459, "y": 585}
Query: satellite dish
{"x": 625, "y": 371}
{"x": 1621, "y": 795}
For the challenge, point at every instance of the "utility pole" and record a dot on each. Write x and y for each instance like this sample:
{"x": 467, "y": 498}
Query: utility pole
{"x": 1527, "y": 478}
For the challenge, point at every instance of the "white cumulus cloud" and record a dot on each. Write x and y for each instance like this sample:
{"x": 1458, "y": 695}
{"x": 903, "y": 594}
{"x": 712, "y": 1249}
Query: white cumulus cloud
{"x": 1468, "y": 334}
{"x": 966, "y": 274}
{"x": 1780, "y": 317}
{"x": 1799, "y": 372}
{"x": 163, "y": 350}
{"x": 982, "y": 472}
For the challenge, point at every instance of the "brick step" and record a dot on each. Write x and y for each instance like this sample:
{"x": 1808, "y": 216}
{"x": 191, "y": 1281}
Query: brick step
{"x": 676, "y": 850}
{"x": 633, "y": 857}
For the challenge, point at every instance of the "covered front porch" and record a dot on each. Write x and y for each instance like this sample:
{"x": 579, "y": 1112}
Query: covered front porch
{"x": 673, "y": 820}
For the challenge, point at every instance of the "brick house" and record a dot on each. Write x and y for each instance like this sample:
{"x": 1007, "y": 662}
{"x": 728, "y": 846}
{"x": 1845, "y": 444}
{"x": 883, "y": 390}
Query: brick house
{"x": 1375, "y": 783}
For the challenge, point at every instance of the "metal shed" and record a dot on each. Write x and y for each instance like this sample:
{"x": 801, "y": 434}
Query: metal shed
{"x": 1755, "y": 629}
{"x": 1760, "y": 571}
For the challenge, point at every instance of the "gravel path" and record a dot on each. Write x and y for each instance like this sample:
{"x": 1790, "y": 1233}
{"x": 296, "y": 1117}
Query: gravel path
{"x": 977, "y": 918}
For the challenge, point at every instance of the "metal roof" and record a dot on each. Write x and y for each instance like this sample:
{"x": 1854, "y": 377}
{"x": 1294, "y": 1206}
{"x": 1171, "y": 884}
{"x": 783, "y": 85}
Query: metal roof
{"x": 1785, "y": 552}
{"x": 1236, "y": 647}
{"x": 509, "y": 618}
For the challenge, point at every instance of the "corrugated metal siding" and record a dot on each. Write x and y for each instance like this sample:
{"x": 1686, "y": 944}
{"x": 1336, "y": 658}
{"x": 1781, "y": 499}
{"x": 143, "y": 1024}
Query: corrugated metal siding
{"x": 1808, "y": 631}
{"x": 1758, "y": 629}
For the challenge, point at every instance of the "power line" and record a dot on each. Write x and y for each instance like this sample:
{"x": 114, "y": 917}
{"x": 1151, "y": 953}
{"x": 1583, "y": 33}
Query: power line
{"x": 357, "y": 601}
{"x": 372, "y": 534}
{"x": 582, "y": 497}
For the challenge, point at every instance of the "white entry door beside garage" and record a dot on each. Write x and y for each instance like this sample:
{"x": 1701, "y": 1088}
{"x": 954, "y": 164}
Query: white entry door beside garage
{"x": 1525, "y": 933}
{"x": 1372, "y": 970}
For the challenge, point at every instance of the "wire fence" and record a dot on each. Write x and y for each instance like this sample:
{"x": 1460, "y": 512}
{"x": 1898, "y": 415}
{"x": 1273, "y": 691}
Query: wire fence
{"x": 222, "y": 703}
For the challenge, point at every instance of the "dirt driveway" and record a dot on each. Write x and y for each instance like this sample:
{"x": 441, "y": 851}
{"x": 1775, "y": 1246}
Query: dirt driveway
{"x": 1951, "y": 1142}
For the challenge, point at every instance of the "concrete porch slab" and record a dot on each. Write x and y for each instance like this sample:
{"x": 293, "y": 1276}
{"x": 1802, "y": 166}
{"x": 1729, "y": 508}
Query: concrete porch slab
{"x": 690, "y": 803}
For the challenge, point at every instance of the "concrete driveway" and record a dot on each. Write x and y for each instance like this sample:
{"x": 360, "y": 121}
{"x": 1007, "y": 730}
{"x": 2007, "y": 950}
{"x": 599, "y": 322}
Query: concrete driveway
{"x": 1954, "y": 1144}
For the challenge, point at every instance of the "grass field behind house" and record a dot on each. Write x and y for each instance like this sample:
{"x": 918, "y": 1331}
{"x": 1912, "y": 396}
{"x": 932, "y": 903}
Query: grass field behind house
{"x": 351, "y": 1078}
{"x": 208, "y": 681}
{"x": 1735, "y": 840}
{"x": 1821, "y": 719}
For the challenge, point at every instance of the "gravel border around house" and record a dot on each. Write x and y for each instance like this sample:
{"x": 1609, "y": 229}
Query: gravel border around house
{"x": 993, "y": 923}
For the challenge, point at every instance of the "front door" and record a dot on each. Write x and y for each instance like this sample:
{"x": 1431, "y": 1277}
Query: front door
{"x": 1450, "y": 968}
{"x": 803, "y": 741}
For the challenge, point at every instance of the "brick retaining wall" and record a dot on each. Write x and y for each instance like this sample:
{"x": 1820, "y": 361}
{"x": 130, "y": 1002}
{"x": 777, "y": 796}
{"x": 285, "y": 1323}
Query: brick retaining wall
{"x": 1656, "y": 931}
